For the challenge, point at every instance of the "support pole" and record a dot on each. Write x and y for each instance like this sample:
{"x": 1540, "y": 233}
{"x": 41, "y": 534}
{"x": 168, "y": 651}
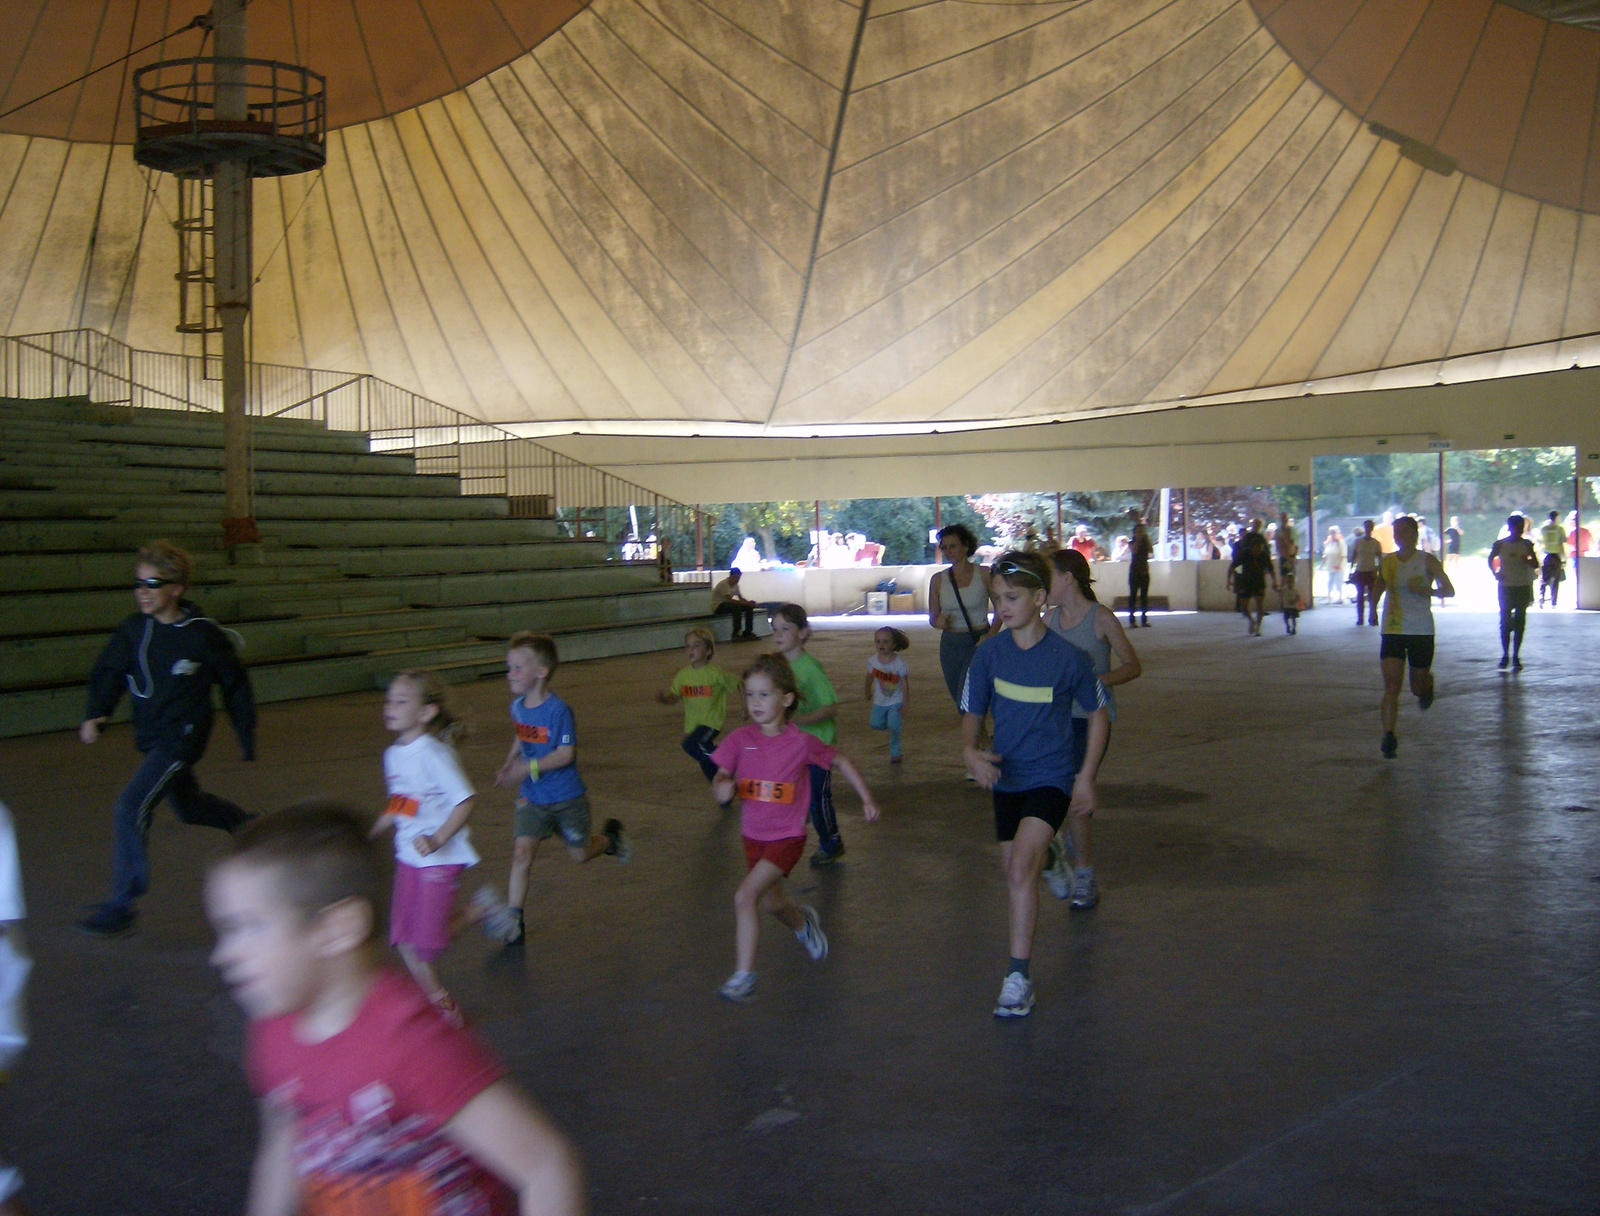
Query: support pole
{"x": 816, "y": 535}
{"x": 1185, "y": 523}
{"x": 1439, "y": 531}
{"x": 1166, "y": 508}
{"x": 232, "y": 194}
{"x": 699, "y": 539}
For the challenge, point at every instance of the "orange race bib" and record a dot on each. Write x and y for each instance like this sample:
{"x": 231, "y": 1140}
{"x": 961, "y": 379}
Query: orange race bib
{"x": 532, "y": 734}
{"x": 886, "y": 677}
{"x": 402, "y": 806}
{"x": 696, "y": 690}
{"x": 766, "y": 791}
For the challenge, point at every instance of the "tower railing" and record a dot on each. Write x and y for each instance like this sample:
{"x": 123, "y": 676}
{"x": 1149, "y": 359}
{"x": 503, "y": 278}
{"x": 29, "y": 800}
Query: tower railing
{"x": 636, "y": 523}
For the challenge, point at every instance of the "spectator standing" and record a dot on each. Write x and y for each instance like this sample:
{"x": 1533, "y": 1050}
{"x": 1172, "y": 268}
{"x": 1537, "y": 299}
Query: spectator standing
{"x": 1082, "y": 542}
{"x": 726, "y": 600}
{"x": 1452, "y": 543}
{"x": 1139, "y": 575}
{"x": 1333, "y": 564}
{"x": 1365, "y": 554}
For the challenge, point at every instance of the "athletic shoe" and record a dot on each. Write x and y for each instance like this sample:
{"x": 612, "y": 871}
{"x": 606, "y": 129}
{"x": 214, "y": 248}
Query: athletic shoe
{"x": 444, "y": 1004}
{"x": 826, "y": 857}
{"x": 739, "y": 986}
{"x": 1505, "y": 661}
{"x": 1145, "y": 622}
{"x": 1390, "y": 745}
{"x": 1085, "y": 891}
{"x": 896, "y": 759}
{"x": 1016, "y": 997}
{"x": 515, "y": 933}
{"x": 1516, "y": 664}
{"x": 728, "y": 805}
{"x": 618, "y": 846}
{"x": 1425, "y": 701}
{"x": 1055, "y": 870}
{"x": 494, "y": 916}
{"x": 811, "y": 936}
{"x": 108, "y": 920}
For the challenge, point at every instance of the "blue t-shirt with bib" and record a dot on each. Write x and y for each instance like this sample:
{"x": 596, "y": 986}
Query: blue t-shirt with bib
{"x": 539, "y": 732}
{"x": 1031, "y": 694}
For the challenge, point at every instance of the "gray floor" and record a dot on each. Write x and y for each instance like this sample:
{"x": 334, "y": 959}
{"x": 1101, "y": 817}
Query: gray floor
{"x": 1318, "y": 982}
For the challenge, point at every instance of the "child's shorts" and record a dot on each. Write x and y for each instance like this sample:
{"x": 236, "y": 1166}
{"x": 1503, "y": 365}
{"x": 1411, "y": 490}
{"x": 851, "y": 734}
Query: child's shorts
{"x": 541, "y": 821}
{"x": 785, "y": 854}
{"x": 424, "y": 901}
{"x": 1012, "y": 807}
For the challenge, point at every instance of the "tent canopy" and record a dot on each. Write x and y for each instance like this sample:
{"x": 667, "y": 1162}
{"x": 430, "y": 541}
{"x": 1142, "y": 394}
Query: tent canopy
{"x": 682, "y": 217}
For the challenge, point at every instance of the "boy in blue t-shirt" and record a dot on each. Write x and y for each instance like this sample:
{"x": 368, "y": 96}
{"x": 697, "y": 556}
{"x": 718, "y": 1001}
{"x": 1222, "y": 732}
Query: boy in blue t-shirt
{"x": 550, "y": 798}
{"x": 1029, "y": 678}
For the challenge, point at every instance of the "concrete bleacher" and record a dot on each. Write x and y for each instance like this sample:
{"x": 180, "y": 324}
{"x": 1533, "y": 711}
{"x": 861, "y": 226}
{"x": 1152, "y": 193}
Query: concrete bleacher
{"x": 365, "y": 567}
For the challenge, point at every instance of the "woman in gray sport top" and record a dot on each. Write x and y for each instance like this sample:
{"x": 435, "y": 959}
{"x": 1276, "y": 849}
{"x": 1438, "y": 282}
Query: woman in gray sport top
{"x": 1082, "y": 620}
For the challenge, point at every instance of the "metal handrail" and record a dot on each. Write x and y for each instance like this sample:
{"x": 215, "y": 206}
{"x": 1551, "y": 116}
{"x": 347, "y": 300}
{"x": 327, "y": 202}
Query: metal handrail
{"x": 485, "y": 458}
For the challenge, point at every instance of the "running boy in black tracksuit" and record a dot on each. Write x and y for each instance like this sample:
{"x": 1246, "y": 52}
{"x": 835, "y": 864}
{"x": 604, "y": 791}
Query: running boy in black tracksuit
{"x": 169, "y": 655}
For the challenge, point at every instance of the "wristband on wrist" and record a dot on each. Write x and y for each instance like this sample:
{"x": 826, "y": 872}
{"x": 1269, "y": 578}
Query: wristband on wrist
{"x": 533, "y": 769}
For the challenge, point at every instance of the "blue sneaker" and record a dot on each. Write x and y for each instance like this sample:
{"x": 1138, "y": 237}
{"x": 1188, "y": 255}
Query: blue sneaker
{"x": 108, "y": 920}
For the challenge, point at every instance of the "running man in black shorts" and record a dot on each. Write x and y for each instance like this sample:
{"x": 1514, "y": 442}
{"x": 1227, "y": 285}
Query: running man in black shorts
{"x": 1409, "y": 578}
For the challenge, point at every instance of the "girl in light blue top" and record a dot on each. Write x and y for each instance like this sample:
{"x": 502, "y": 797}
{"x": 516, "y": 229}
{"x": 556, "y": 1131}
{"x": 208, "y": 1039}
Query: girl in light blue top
{"x": 1093, "y": 628}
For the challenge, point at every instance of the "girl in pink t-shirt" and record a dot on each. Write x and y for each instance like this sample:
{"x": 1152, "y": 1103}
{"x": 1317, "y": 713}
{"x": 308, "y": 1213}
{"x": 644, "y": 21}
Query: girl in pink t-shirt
{"x": 767, "y": 766}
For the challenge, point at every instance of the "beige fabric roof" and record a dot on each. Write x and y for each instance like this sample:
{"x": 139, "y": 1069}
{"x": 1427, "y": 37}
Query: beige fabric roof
{"x": 663, "y": 219}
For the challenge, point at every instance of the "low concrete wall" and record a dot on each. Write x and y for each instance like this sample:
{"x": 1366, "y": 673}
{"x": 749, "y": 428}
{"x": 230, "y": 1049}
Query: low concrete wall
{"x": 1187, "y": 585}
{"x": 1588, "y": 575}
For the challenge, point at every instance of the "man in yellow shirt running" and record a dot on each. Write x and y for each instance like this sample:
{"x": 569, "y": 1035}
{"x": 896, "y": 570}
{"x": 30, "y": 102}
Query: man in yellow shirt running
{"x": 1553, "y": 539}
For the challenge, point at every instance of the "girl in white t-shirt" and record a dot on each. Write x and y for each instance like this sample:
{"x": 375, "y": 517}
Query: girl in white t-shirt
{"x": 430, "y": 800}
{"x": 888, "y": 686}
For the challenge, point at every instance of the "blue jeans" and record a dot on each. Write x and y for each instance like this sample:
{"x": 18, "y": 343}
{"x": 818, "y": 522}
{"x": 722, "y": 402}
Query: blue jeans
{"x": 956, "y": 648}
{"x": 823, "y": 816}
{"x": 162, "y": 775}
{"x": 887, "y": 717}
{"x": 699, "y": 743}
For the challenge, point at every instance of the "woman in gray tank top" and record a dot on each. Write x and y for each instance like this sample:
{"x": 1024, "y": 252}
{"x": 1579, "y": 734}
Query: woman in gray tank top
{"x": 1082, "y": 620}
{"x": 958, "y": 605}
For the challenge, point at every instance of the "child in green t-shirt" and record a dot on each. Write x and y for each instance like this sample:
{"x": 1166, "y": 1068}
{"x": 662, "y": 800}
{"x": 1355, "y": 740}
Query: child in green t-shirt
{"x": 814, "y": 714}
{"x": 703, "y": 687}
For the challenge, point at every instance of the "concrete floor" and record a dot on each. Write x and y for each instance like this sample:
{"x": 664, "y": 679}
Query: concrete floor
{"x": 1318, "y": 981}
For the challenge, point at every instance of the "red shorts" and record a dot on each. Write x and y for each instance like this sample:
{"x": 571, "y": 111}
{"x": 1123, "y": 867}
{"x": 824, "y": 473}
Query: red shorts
{"x": 424, "y": 901}
{"x": 785, "y": 854}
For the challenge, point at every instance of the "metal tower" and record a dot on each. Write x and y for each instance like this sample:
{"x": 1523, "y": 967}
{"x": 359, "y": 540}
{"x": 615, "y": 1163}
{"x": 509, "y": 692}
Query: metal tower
{"x": 217, "y": 123}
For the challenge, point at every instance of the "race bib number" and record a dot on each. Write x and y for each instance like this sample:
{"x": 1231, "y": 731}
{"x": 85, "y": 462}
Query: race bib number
{"x": 886, "y": 677}
{"x": 532, "y": 734}
{"x": 400, "y": 805}
{"x": 766, "y": 791}
{"x": 696, "y": 690}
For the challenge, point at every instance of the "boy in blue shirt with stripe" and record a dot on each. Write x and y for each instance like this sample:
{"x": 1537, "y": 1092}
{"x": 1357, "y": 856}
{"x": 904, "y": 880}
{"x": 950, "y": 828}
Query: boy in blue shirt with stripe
{"x": 551, "y": 798}
{"x": 1029, "y": 679}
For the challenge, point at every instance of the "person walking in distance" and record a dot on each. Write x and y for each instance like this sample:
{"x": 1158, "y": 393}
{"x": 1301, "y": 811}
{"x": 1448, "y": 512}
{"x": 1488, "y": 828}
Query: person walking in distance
{"x": 1553, "y": 539}
{"x": 958, "y": 604}
{"x": 1514, "y": 563}
{"x": 1365, "y": 554}
{"x": 1410, "y": 578}
{"x": 1251, "y": 568}
{"x": 1452, "y": 545}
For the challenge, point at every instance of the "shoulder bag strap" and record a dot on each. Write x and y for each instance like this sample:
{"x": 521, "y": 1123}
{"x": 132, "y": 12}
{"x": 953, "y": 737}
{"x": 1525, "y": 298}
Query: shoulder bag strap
{"x": 961, "y": 603}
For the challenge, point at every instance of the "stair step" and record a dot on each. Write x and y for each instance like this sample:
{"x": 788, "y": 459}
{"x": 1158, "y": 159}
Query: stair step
{"x": 128, "y": 481}
{"x": 365, "y": 641}
{"x": 78, "y": 452}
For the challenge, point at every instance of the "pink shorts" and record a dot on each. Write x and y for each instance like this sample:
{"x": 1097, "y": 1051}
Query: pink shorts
{"x": 424, "y": 901}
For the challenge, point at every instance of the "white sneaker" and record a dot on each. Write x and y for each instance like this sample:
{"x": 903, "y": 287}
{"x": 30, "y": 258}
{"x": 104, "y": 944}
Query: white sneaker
{"x": 1016, "y": 997}
{"x": 739, "y": 986}
{"x": 811, "y": 936}
{"x": 1085, "y": 891}
{"x": 1055, "y": 870}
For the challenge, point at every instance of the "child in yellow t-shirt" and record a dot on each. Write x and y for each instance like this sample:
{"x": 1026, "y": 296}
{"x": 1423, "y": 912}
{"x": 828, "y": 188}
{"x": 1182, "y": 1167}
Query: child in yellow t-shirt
{"x": 703, "y": 687}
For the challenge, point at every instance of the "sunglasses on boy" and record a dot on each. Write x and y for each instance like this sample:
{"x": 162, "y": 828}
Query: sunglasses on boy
{"x": 155, "y": 584}
{"x": 1011, "y": 570}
